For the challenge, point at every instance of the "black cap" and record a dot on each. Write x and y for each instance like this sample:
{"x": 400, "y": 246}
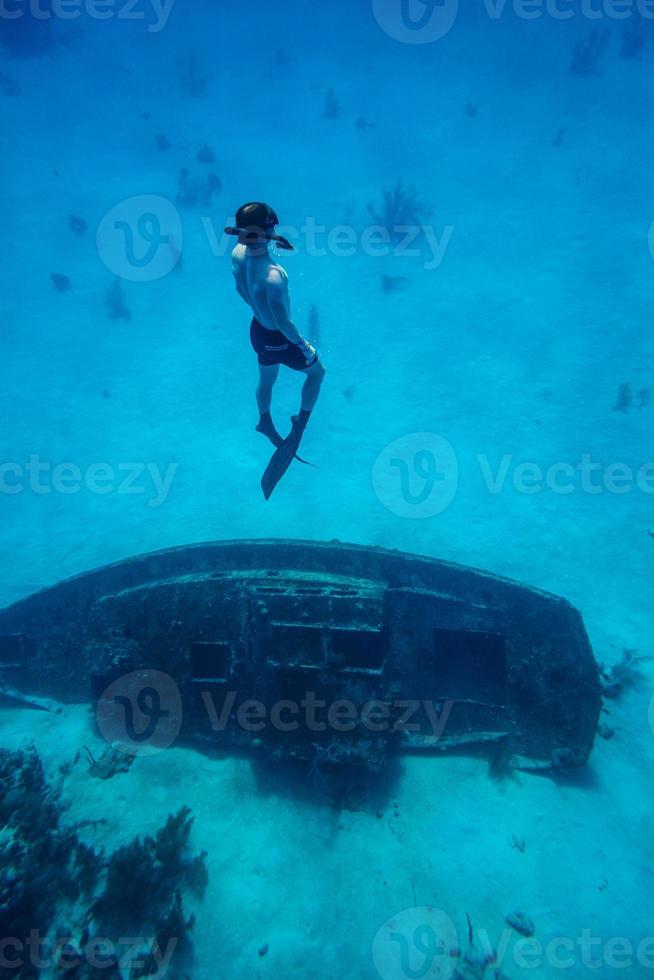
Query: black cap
{"x": 256, "y": 217}
{"x": 255, "y": 226}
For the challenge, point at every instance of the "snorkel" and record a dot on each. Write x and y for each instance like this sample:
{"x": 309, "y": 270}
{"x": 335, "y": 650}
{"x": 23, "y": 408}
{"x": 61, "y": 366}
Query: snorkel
{"x": 255, "y": 226}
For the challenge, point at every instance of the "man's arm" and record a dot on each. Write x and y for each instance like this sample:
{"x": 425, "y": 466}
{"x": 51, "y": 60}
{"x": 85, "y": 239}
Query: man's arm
{"x": 278, "y": 301}
{"x": 241, "y": 293}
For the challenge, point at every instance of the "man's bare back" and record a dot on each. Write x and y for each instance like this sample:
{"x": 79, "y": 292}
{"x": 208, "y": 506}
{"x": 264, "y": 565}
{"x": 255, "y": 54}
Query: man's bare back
{"x": 259, "y": 279}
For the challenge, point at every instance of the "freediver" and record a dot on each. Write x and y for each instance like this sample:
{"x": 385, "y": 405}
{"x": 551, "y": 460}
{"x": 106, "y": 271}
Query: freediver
{"x": 263, "y": 284}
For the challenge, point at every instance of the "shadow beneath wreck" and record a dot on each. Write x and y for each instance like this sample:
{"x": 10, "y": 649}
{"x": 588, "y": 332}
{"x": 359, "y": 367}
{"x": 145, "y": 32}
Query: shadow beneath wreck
{"x": 345, "y": 787}
{"x": 340, "y": 787}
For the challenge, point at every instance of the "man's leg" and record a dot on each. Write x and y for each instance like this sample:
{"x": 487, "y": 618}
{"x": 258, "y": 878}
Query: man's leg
{"x": 315, "y": 376}
{"x": 267, "y": 377}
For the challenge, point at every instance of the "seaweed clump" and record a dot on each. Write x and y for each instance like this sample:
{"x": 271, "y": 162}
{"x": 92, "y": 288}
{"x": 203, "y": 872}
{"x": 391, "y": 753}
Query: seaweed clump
{"x": 193, "y": 192}
{"x": 45, "y": 866}
{"x": 193, "y": 81}
{"x": 143, "y": 877}
{"x": 626, "y": 674}
{"x": 206, "y": 154}
{"x": 111, "y": 763}
{"x": 635, "y": 37}
{"x": 77, "y": 224}
{"x": 115, "y": 302}
{"x": 333, "y": 108}
{"x": 400, "y": 210}
{"x": 143, "y": 890}
{"x": 588, "y": 54}
{"x": 394, "y": 284}
{"x": 42, "y": 862}
{"x": 624, "y": 398}
{"x": 60, "y": 282}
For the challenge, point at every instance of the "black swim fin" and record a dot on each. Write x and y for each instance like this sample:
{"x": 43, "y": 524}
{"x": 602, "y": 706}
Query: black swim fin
{"x": 282, "y": 459}
{"x": 267, "y": 428}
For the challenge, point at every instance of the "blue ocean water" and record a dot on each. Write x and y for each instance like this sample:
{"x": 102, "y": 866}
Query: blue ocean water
{"x": 468, "y": 187}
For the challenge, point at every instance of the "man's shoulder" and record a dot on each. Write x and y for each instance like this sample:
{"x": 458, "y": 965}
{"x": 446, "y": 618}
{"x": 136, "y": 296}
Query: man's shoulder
{"x": 276, "y": 276}
{"x": 238, "y": 253}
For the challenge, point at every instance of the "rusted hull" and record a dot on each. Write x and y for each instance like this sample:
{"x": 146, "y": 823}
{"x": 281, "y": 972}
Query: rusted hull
{"x": 485, "y": 660}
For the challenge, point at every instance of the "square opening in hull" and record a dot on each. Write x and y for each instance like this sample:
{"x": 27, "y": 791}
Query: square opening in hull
{"x": 360, "y": 649}
{"x": 209, "y": 661}
{"x": 11, "y": 650}
{"x": 470, "y": 665}
{"x": 301, "y": 645}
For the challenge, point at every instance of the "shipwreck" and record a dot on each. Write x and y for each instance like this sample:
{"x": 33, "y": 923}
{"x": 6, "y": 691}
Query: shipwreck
{"x": 392, "y": 652}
